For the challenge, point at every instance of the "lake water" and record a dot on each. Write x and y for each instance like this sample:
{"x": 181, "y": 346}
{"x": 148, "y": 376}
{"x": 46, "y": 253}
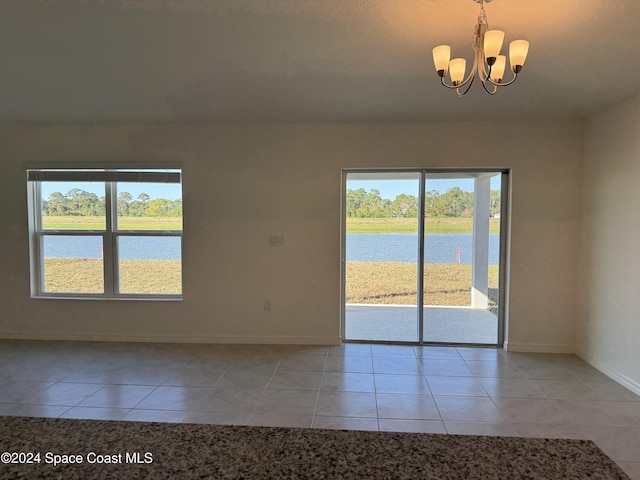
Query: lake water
{"x": 361, "y": 247}
{"x": 397, "y": 247}
{"x": 131, "y": 248}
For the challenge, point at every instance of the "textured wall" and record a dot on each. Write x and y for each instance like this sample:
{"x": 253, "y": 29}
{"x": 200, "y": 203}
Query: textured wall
{"x": 608, "y": 323}
{"x": 262, "y": 179}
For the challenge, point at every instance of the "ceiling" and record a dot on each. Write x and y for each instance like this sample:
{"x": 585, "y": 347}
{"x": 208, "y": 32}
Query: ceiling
{"x": 116, "y": 61}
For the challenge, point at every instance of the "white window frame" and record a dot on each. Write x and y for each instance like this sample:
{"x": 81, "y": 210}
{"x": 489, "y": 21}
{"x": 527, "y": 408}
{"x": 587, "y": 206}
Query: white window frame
{"x": 110, "y": 235}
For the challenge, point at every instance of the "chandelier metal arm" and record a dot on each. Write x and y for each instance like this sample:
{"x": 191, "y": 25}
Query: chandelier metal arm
{"x": 515, "y": 76}
{"x": 457, "y": 88}
{"x": 469, "y": 80}
{"x": 472, "y": 77}
{"x": 490, "y": 92}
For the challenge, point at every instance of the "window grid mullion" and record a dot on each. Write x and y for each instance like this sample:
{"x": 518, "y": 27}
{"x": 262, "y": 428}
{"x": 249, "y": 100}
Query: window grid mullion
{"x": 39, "y": 244}
{"x": 108, "y": 251}
{"x": 40, "y": 262}
{"x": 148, "y": 233}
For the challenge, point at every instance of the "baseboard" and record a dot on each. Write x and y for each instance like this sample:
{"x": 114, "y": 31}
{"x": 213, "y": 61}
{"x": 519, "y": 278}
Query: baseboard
{"x": 538, "y": 348}
{"x": 609, "y": 372}
{"x": 217, "y": 339}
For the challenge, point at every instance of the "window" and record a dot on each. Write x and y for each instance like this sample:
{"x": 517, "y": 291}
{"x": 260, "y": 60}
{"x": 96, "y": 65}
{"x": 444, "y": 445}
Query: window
{"x": 105, "y": 233}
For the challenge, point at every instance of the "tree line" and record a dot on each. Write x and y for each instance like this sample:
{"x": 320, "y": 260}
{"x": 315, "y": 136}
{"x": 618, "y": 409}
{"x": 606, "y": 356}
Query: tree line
{"x": 77, "y": 202}
{"x": 454, "y": 203}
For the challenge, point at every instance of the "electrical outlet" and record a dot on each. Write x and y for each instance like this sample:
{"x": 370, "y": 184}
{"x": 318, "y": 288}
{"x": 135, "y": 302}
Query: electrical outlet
{"x": 267, "y": 304}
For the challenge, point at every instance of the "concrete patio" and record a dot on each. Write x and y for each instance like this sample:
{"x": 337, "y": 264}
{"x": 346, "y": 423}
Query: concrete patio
{"x": 399, "y": 323}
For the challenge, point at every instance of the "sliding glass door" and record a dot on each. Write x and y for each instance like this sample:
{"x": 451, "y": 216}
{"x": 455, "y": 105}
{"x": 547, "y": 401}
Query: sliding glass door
{"x": 422, "y": 256}
{"x": 381, "y": 252}
{"x": 461, "y": 257}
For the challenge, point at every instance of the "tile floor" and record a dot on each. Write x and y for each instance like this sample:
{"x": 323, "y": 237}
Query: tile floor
{"x": 355, "y": 386}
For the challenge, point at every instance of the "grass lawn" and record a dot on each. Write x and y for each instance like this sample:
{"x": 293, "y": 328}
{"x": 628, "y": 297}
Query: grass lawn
{"x": 78, "y": 275}
{"x": 395, "y": 283}
{"x": 410, "y": 225}
{"x": 391, "y": 283}
{"x": 125, "y": 223}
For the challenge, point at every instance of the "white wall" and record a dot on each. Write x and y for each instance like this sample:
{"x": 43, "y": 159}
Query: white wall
{"x": 262, "y": 179}
{"x": 608, "y": 321}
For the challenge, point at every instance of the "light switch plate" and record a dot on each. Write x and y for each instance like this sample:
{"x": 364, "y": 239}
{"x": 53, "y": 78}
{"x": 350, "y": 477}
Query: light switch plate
{"x": 276, "y": 240}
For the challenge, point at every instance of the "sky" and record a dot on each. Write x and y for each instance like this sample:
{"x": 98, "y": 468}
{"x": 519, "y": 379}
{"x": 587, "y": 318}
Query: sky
{"x": 392, "y": 188}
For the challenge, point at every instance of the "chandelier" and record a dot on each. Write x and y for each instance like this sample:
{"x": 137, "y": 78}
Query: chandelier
{"x": 488, "y": 65}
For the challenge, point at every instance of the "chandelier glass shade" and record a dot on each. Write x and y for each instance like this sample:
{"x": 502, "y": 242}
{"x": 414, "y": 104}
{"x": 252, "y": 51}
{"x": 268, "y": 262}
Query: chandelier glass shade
{"x": 488, "y": 64}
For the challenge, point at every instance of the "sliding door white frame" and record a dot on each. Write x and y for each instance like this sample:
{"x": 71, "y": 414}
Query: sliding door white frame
{"x": 503, "y": 257}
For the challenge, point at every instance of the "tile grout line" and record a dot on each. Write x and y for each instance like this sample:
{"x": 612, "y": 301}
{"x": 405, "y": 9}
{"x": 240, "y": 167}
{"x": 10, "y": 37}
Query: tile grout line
{"x": 211, "y": 387}
{"x": 315, "y": 408}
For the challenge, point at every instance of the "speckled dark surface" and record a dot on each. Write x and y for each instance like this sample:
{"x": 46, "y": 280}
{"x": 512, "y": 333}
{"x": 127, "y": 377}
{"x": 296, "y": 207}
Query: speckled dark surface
{"x": 212, "y": 451}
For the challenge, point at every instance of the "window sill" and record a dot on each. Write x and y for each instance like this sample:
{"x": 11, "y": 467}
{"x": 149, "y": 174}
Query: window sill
{"x": 148, "y": 298}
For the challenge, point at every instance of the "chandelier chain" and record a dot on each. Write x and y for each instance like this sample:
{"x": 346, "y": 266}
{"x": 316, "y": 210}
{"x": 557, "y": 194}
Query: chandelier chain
{"x": 482, "y": 21}
{"x": 482, "y": 18}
